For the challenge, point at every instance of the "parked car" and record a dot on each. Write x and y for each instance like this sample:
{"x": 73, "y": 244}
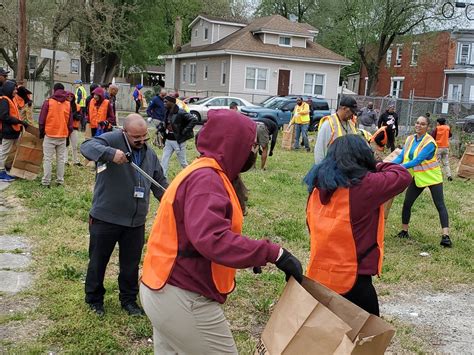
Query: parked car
{"x": 200, "y": 108}
{"x": 280, "y": 108}
{"x": 192, "y": 99}
{"x": 466, "y": 124}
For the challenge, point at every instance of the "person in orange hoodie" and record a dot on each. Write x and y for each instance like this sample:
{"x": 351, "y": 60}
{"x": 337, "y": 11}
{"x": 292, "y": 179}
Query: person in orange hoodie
{"x": 55, "y": 125}
{"x": 441, "y": 134}
{"x": 100, "y": 111}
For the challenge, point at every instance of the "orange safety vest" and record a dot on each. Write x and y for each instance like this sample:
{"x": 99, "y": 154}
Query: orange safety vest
{"x": 57, "y": 120}
{"x": 13, "y": 113}
{"x": 20, "y": 103}
{"x": 97, "y": 114}
{"x": 384, "y": 140}
{"x": 333, "y": 257}
{"x": 442, "y": 136}
{"x": 162, "y": 247}
{"x": 76, "y": 123}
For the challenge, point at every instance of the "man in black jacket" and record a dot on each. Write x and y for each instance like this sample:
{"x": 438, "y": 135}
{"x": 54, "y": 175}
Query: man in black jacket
{"x": 177, "y": 128}
{"x": 266, "y": 128}
{"x": 390, "y": 119}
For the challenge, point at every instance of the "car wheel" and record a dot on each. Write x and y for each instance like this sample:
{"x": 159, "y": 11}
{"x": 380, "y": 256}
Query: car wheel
{"x": 196, "y": 115}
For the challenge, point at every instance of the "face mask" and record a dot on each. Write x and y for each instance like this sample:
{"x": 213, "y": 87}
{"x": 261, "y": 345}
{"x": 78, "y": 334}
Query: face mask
{"x": 249, "y": 163}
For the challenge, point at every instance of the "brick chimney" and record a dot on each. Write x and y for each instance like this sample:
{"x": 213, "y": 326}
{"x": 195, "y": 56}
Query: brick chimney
{"x": 178, "y": 32}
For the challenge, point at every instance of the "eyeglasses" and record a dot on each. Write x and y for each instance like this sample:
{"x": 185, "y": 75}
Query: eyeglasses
{"x": 138, "y": 139}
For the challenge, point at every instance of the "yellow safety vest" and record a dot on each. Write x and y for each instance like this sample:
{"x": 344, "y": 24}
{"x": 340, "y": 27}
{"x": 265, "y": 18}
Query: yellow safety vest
{"x": 299, "y": 118}
{"x": 336, "y": 127}
{"x": 428, "y": 172}
{"x": 82, "y": 103}
{"x": 182, "y": 105}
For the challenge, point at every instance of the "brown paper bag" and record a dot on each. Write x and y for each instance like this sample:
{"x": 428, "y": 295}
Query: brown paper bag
{"x": 28, "y": 156}
{"x": 389, "y": 158}
{"x": 288, "y": 137}
{"x": 312, "y": 319}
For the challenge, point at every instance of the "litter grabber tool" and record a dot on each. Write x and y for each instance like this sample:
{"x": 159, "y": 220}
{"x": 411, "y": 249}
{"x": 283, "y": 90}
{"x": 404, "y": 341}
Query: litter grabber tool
{"x": 142, "y": 172}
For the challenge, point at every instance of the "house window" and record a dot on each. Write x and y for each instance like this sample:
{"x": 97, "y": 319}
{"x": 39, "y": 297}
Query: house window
{"x": 284, "y": 41}
{"x": 398, "y": 61}
{"x": 192, "y": 73}
{"x": 223, "y": 73}
{"x": 32, "y": 62}
{"x": 183, "y": 72}
{"x": 74, "y": 66}
{"x": 388, "y": 59}
{"x": 463, "y": 53}
{"x": 414, "y": 54}
{"x": 313, "y": 84}
{"x": 206, "y": 33}
{"x": 454, "y": 92}
{"x": 396, "y": 86}
{"x": 195, "y": 33}
{"x": 471, "y": 93}
{"x": 206, "y": 69}
{"x": 256, "y": 78}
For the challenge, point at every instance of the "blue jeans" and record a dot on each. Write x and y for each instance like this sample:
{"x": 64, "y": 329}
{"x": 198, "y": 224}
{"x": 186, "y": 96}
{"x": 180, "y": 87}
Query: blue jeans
{"x": 301, "y": 130}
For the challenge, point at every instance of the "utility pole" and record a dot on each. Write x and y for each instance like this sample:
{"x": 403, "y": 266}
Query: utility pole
{"x": 20, "y": 70}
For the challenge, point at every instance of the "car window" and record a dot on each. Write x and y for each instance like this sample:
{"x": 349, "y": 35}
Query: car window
{"x": 237, "y": 101}
{"x": 323, "y": 106}
{"x": 220, "y": 101}
{"x": 290, "y": 106}
{"x": 202, "y": 101}
{"x": 277, "y": 104}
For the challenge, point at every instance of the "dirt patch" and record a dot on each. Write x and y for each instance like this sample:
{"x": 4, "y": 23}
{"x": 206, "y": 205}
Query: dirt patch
{"x": 441, "y": 320}
{"x": 15, "y": 332}
{"x": 15, "y": 305}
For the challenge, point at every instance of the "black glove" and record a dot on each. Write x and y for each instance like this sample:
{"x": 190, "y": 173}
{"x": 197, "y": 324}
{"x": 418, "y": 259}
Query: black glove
{"x": 257, "y": 269}
{"x": 259, "y": 151}
{"x": 290, "y": 266}
{"x": 271, "y": 153}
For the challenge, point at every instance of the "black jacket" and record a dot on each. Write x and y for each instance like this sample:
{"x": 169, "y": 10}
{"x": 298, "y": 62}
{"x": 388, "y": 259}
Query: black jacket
{"x": 182, "y": 124}
{"x": 387, "y": 116}
{"x": 7, "y": 130}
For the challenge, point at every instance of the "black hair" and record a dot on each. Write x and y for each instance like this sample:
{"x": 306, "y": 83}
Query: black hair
{"x": 233, "y": 104}
{"x": 58, "y": 86}
{"x": 93, "y": 87}
{"x": 427, "y": 115}
{"x": 441, "y": 120}
{"x": 428, "y": 121}
{"x": 348, "y": 160}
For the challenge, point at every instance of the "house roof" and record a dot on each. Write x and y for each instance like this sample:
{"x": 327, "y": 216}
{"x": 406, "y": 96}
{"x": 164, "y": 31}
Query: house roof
{"x": 216, "y": 19}
{"x": 246, "y": 42}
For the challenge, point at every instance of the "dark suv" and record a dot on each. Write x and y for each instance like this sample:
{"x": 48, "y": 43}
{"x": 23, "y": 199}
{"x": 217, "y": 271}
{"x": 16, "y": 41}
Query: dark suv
{"x": 280, "y": 108}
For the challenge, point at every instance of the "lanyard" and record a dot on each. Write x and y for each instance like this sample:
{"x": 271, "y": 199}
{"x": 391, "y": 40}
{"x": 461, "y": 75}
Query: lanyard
{"x": 136, "y": 155}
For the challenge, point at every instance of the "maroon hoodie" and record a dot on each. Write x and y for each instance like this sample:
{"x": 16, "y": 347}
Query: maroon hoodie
{"x": 110, "y": 110}
{"x": 60, "y": 96}
{"x": 203, "y": 210}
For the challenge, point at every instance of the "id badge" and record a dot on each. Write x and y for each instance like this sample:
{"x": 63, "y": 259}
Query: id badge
{"x": 139, "y": 192}
{"x": 101, "y": 168}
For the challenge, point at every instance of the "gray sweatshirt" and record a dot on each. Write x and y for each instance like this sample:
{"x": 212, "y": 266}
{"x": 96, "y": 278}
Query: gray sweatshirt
{"x": 114, "y": 200}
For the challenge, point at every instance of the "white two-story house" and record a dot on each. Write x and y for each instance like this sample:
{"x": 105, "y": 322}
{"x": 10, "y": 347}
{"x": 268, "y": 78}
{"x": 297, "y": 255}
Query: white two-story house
{"x": 269, "y": 56}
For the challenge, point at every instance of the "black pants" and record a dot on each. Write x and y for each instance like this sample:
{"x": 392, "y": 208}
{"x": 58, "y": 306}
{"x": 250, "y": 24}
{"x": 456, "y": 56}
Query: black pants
{"x": 138, "y": 104}
{"x": 436, "y": 194}
{"x": 83, "y": 119}
{"x": 363, "y": 294}
{"x": 103, "y": 237}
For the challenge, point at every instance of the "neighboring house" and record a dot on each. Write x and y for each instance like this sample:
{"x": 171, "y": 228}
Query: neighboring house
{"x": 460, "y": 76}
{"x": 353, "y": 81}
{"x": 269, "y": 56}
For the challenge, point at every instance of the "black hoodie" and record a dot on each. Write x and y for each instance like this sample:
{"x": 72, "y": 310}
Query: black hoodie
{"x": 7, "y": 131}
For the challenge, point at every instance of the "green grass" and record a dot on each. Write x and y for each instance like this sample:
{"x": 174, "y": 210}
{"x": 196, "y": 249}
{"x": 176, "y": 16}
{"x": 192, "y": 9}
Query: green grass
{"x": 56, "y": 221}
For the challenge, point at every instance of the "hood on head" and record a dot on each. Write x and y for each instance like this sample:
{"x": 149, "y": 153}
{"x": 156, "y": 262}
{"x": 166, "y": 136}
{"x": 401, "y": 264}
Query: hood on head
{"x": 99, "y": 91}
{"x": 227, "y": 136}
{"x": 7, "y": 88}
{"x": 59, "y": 95}
{"x": 139, "y": 86}
{"x": 70, "y": 93}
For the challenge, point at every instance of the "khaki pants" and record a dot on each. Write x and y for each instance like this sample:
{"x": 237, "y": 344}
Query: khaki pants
{"x": 5, "y": 148}
{"x": 443, "y": 159}
{"x": 185, "y": 322}
{"x": 73, "y": 145}
{"x": 53, "y": 147}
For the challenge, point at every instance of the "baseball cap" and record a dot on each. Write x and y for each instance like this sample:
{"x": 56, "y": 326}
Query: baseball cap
{"x": 3, "y": 71}
{"x": 349, "y": 101}
{"x": 77, "y": 81}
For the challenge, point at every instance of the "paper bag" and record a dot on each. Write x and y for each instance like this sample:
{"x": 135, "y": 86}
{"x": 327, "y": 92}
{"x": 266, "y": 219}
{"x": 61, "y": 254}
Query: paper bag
{"x": 389, "y": 158}
{"x": 288, "y": 137}
{"x": 28, "y": 156}
{"x": 312, "y": 319}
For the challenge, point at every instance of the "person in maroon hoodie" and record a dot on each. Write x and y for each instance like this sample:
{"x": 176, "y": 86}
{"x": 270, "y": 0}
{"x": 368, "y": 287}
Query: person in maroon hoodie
{"x": 346, "y": 220}
{"x": 196, "y": 243}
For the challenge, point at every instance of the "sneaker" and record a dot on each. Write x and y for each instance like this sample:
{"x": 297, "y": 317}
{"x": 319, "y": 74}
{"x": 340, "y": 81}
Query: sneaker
{"x": 450, "y": 178}
{"x": 403, "y": 234}
{"x": 46, "y": 186}
{"x": 446, "y": 241}
{"x": 5, "y": 177}
{"x": 97, "y": 308}
{"x": 133, "y": 309}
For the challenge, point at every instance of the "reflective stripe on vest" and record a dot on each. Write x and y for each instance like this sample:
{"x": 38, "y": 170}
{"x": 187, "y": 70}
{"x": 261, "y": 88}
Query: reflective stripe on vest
{"x": 97, "y": 114}
{"x": 384, "y": 140}
{"x": 13, "y": 112}
{"x": 182, "y": 105}
{"x": 333, "y": 257}
{"x": 304, "y": 118}
{"x": 442, "y": 136}
{"x": 82, "y": 102}
{"x": 428, "y": 172}
{"x": 162, "y": 247}
{"x": 57, "y": 120}
{"x": 335, "y": 123}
